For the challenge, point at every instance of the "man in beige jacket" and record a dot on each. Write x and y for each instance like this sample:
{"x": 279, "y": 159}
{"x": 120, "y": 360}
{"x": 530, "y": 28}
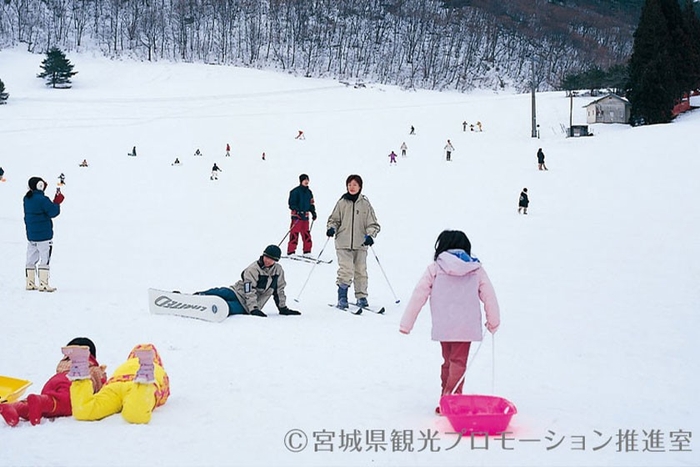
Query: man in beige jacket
{"x": 354, "y": 225}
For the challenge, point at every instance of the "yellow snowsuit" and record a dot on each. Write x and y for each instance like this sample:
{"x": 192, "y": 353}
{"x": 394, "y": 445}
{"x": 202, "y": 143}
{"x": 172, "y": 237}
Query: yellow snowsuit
{"x": 135, "y": 401}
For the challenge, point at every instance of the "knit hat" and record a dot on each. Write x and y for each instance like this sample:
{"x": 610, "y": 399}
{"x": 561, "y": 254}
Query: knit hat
{"x": 355, "y": 177}
{"x": 86, "y": 342}
{"x": 273, "y": 252}
{"x": 303, "y": 177}
{"x": 37, "y": 183}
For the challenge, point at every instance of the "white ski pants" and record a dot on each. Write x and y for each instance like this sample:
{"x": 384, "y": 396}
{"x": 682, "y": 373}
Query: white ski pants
{"x": 352, "y": 268}
{"x": 39, "y": 254}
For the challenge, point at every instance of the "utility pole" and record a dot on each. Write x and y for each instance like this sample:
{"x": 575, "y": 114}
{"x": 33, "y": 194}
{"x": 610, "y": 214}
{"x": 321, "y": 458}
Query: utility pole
{"x": 534, "y": 105}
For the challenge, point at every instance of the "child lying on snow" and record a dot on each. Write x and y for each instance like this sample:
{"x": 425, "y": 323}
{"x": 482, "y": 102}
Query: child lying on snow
{"x": 137, "y": 386}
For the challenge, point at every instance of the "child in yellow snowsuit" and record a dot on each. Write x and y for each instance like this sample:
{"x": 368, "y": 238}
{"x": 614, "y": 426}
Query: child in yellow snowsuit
{"x": 137, "y": 387}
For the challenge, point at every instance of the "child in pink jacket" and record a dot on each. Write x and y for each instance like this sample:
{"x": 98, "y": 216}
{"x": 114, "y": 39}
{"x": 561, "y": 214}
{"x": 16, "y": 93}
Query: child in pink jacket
{"x": 456, "y": 283}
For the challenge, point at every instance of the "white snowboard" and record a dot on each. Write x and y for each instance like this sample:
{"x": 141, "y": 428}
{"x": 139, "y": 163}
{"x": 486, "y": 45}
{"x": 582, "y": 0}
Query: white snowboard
{"x": 206, "y": 307}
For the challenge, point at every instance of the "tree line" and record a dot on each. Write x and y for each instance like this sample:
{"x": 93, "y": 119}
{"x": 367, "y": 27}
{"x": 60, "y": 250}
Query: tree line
{"x": 411, "y": 43}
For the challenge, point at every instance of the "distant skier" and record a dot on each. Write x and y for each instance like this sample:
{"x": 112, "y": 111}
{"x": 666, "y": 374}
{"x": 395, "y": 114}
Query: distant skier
{"x": 215, "y": 172}
{"x": 478, "y": 124}
{"x": 84, "y": 163}
{"x": 263, "y": 156}
{"x": 404, "y": 148}
{"x": 448, "y": 150}
{"x": 464, "y": 125}
{"x": 228, "y": 150}
{"x": 523, "y": 202}
{"x": 39, "y": 211}
{"x": 301, "y": 203}
{"x": 62, "y": 179}
{"x": 2, "y": 172}
{"x": 413, "y": 130}
{"x": 198, "y": 152}
{"x": 260, "y": 281}
{"x": 133, "y": 152}
{"x": 392, "y": 158}
{"x": 300, "y": 135}
{"x": 540, "y": 160}
{"x": 177, "y": 161}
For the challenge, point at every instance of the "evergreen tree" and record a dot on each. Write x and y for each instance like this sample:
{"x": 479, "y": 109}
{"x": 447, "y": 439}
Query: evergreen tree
{"x": 57, "y": 69}
{"x": 658, "y": 62}
{"x": 691, "y": 26}
{"x": 3, "y": 94}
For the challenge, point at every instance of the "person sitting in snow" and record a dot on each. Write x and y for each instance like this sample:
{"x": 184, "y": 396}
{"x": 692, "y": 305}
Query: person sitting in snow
{"x": 177, "y": 161}
{"x": 263, "y": 279}
{"x": 133, "y": 152}
{"x": 137, "y": 386}
{"x": 54, "y": 400}
{"x": 84, "y": 163}
{"x": 197, "y": 152}
{"x": 215, "y": 172}
{"x": 300, "y": 135}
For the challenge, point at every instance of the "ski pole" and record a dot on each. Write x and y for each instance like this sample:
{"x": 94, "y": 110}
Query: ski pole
{"x": 288, "y": 231}
{"x": 397, "y": 300}
{"x": 312, "y": 270}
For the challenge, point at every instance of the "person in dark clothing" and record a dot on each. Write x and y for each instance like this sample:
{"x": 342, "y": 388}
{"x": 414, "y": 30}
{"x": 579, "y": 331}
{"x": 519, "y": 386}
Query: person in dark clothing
{"x": 523, "y": 202}
{"x": 301, "y": 203}
{"x": 540, "y": 160}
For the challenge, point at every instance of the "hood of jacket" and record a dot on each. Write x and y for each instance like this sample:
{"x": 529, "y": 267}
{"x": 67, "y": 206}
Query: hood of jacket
{"x": 457, "y": 263}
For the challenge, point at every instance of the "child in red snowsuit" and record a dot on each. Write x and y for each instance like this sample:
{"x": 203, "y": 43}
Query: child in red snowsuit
{"x": 54, "y": 400}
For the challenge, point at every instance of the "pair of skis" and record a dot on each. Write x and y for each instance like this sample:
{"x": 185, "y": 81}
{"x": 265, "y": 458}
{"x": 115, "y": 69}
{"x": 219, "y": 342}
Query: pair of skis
{"x": 357, "y": 310}
{"x": 308, "y": 259}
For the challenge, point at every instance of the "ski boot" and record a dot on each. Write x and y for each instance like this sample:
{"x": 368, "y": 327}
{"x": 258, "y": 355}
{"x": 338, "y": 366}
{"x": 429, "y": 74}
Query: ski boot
{"x": 343, "y": 296}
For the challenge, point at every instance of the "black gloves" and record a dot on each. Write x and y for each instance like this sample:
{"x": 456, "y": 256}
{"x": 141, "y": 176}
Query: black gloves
{"x": 369, "y": 241}
{"x": 256, "y": 312}
{"x": 313, "y": 215}
{"x": 288, "y": 312}
{"x": 330, "y": 232}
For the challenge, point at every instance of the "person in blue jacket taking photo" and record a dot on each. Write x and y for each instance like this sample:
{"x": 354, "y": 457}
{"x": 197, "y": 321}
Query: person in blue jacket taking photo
{"x": 39, "y": 211}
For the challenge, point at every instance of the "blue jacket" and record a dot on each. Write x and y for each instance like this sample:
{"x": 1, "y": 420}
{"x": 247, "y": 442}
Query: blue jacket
{"x": 301, "y": 200}
{"x": 38, "y": 212}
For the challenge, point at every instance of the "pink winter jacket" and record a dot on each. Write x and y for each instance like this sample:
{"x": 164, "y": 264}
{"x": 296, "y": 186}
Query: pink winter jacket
{"x": 455, "y": 287}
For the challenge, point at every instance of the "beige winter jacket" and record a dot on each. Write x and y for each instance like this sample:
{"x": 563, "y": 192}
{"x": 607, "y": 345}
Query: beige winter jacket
{"x": 258, "y": 284}
{"x": 352, "y": 221}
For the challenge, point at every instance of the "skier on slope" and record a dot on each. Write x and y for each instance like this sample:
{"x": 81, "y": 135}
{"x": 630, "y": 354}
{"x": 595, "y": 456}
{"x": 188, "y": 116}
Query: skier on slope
{"x": 301, "y": 203}
{"x": 404, "y": 148}
{"x": 263, "y": 279}
{"x": 215, "y": 172}
{"x": 448, "y": 150}
{"x": 38, "y": 212}
{"x": 54, "y": 400}
{"x": 523, "y": 201}
{"x": 354, "y": 225}
{"x": 392, "y": 158}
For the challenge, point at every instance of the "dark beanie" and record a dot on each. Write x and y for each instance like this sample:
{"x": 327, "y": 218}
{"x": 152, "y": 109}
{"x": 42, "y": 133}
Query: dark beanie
{"x": 355, "y": 177}
{"x": 34, "y": 181}
{"x": 303, "y": 177}
{"x": 273, "y": 252}
{"x": 87, "y": 343}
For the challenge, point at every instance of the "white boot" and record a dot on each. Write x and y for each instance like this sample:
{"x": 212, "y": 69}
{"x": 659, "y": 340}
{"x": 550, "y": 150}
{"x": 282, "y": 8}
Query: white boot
{"x": 30, "y": 274}
{"x": 44, "y": 281}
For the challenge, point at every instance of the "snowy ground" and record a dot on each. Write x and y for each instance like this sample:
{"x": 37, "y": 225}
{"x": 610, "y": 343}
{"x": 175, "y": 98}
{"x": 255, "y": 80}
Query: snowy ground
{"x": 598, "y": 285}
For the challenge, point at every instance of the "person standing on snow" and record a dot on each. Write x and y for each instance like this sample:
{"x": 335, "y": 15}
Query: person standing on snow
{"x": 38, "y": 212}
{"x": 455, "y": 283}
{"x": 404, "y": 148}
{"x": 448, "y": 150}
{"x": 523, "y": 201}
{"x": 354, "y": 225}
{"x": 540, "y": 160}
{"x": 392, "y": 158}
{"x": 261, "y": 280}
{"x": 301, "y": 203}
{"x": 228, "y": 150}
{"x": 215, "y": 172}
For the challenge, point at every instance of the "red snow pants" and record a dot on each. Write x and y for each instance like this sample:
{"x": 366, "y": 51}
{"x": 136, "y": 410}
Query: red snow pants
{"x": 454, "y": 365}
{"x": 299, "y": 226}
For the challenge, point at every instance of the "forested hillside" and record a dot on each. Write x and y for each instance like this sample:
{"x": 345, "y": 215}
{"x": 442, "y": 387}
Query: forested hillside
{"x": 448, "y": 44}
